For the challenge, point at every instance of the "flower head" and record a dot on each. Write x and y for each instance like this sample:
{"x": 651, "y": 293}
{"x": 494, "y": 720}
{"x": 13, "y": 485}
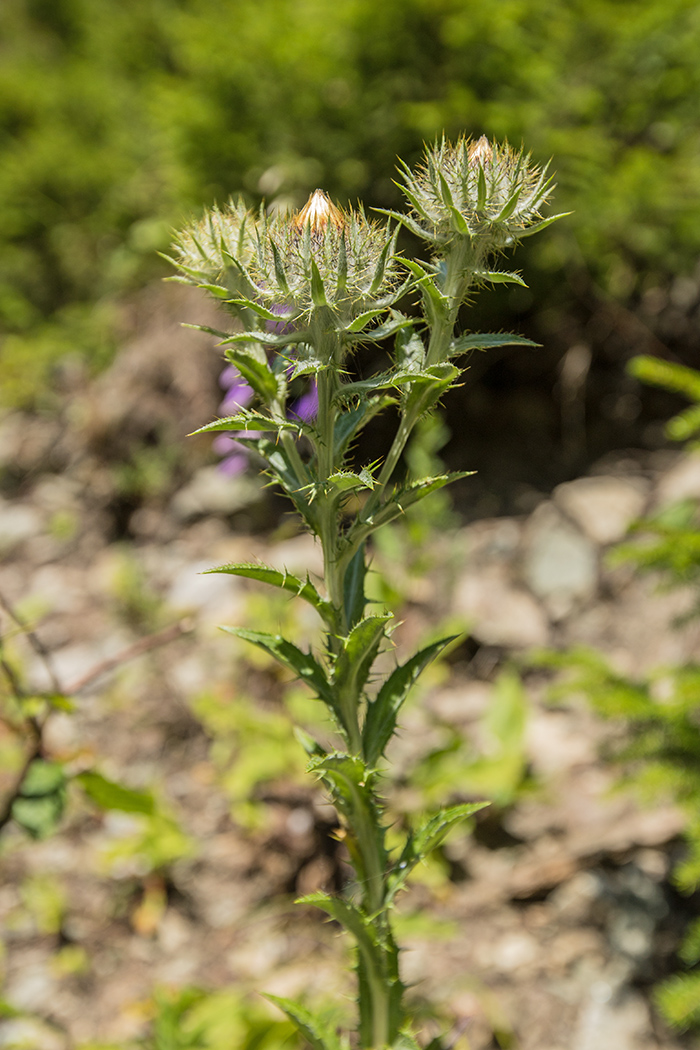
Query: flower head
{"x": 324, "y": 256}
{"x": 205, "y": 250}
{"x": 484, "y": 191}
{"x": 317, "y": 213}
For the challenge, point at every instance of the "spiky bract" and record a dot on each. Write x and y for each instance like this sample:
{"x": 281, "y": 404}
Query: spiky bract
{"x": 325, "y": 256}
{"x": 206, "y": 250}
{"x": 487, "y": 192}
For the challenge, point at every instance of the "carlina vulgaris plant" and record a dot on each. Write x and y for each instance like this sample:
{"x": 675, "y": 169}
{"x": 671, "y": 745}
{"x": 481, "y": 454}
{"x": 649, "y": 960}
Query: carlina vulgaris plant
{"x": 309, "y": 289}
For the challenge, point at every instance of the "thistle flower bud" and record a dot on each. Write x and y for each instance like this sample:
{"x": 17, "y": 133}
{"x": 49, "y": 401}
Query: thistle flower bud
{"x": 317, "y": 213}
{"x": 205, "y": 249}
{"x": 480, "y": 152}
{"x": 486, "y": 192}
{"x": 325, "y": 256}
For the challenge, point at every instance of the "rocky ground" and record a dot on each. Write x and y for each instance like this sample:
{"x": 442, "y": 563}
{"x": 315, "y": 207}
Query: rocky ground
{"x": 544, "y": 929}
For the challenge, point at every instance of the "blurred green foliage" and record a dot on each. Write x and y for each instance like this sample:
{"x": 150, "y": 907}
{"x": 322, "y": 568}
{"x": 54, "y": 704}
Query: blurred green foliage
{"x": 120, "y": 117}
{"x": 659, "y": 750}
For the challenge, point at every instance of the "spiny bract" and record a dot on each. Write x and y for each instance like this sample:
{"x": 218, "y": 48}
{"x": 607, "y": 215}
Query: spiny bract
{"x": 484, "y": 191}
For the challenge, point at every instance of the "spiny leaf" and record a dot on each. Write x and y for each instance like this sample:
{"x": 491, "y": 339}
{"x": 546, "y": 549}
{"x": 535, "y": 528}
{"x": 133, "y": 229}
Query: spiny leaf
{"x": 383, "y": 711}
{"x": 304, "y": 665}
{"x": 358, "y": 653}
{"x": 542, "y": 225}
{"x": 481, "y": 189}
{"x": 260, "y": 310}
{"x": 273, "y": 452}
{"x": 352, "y": 421}
{"x": 500, "y": 277}
{"x": 363, "y": 320}
{"x": 249, "y": 421}
{"x": 406, "y": 495}
{"x": 318, "y": 290}
{"x": 427, "y": 837}
{"x": 346, "y": 480}
{"x": 284, "y": 580}
{"x": 280, "y": 274}
{"x": 510, "y": 205}
{"x": 354, "y": 587}
{"x": 349, "y": 781}
{"x": 255, "y": 371}
{"x": 381, "y": 263}
{"x": 316, "y": 1033}
{"x": 406, "y": 220}
{"x": 390, "y": 326}
{"x": 487, "y": 341}
{"x": 268, "y": 338}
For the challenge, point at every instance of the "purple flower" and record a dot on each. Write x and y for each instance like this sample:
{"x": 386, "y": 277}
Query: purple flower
{"x": 239, "y": 394}
{"x": 305, "y": 407}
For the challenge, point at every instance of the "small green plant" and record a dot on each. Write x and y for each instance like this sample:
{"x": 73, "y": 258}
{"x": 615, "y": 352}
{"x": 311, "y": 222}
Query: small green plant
{"x": 308, "y": 291}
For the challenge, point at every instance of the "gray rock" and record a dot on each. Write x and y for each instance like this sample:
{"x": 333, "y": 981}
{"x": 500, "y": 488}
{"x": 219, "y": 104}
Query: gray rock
{"x": 603, "y": 507}
{"x": 18, "y": 522}
{"x": 211, "y": 492}
{"x": 500, "y": 613}
{"x": 682, "y": 481}
{"x": 560, "y": 563}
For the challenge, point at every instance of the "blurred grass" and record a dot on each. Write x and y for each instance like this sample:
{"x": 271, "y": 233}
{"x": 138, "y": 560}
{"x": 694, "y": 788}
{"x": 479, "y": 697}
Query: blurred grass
{"x": 118, "y": 118}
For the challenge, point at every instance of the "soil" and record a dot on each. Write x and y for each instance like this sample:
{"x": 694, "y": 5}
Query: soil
{"x": 544, "y": 928}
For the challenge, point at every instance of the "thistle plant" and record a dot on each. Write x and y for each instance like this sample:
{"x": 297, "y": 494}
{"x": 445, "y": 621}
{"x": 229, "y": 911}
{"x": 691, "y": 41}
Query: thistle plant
{"x": 310, "y": 289}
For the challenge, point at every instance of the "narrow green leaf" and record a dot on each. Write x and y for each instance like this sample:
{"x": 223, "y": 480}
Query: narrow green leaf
{"x": 354, "y": 587}
{"x": 316, "y": 1033}
{"x": 286, "y": 581}
{"x": 487, "y": 341}
{"x": 255, "y": 371}
{"x": 304, "y": 665}
{"x": 427, "y": 837}
{"x": 260, "y": 310}
{"x": 410, "y": 350}
{"x": 481, "y": 189}
{"x": 363, "y": 320}
{"x": 685, "y": 424}
{"x": 666, "y": 374}
{"x": 500, "y": 277}
{"x": 361, "y": 926}
{"x": 109, "y": 795}
{"x": 342, "y": 267}
{"x": 413, "y": 200}
{"x": 346, "y": 480}
{"x": 390, "y": 327}
{"x": 383, "y": 711}
{"x": 318, "y": 290}
{"x": 406, "y": 220}
{"x": 522, "y": 234}
{"x": 273, "y": 339}
{"x": 280, "y": 274}
{"x": 378, "y": 962}
{"x": 380, "y": 268}
{"x": 360, "y": 648}
{"x": 350, "y": 784}
{"x": 249, "y": 421}
{"x": 406, "y": 495}
{"x": 297, "y": 490}
{"x": 510, "y": 205}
